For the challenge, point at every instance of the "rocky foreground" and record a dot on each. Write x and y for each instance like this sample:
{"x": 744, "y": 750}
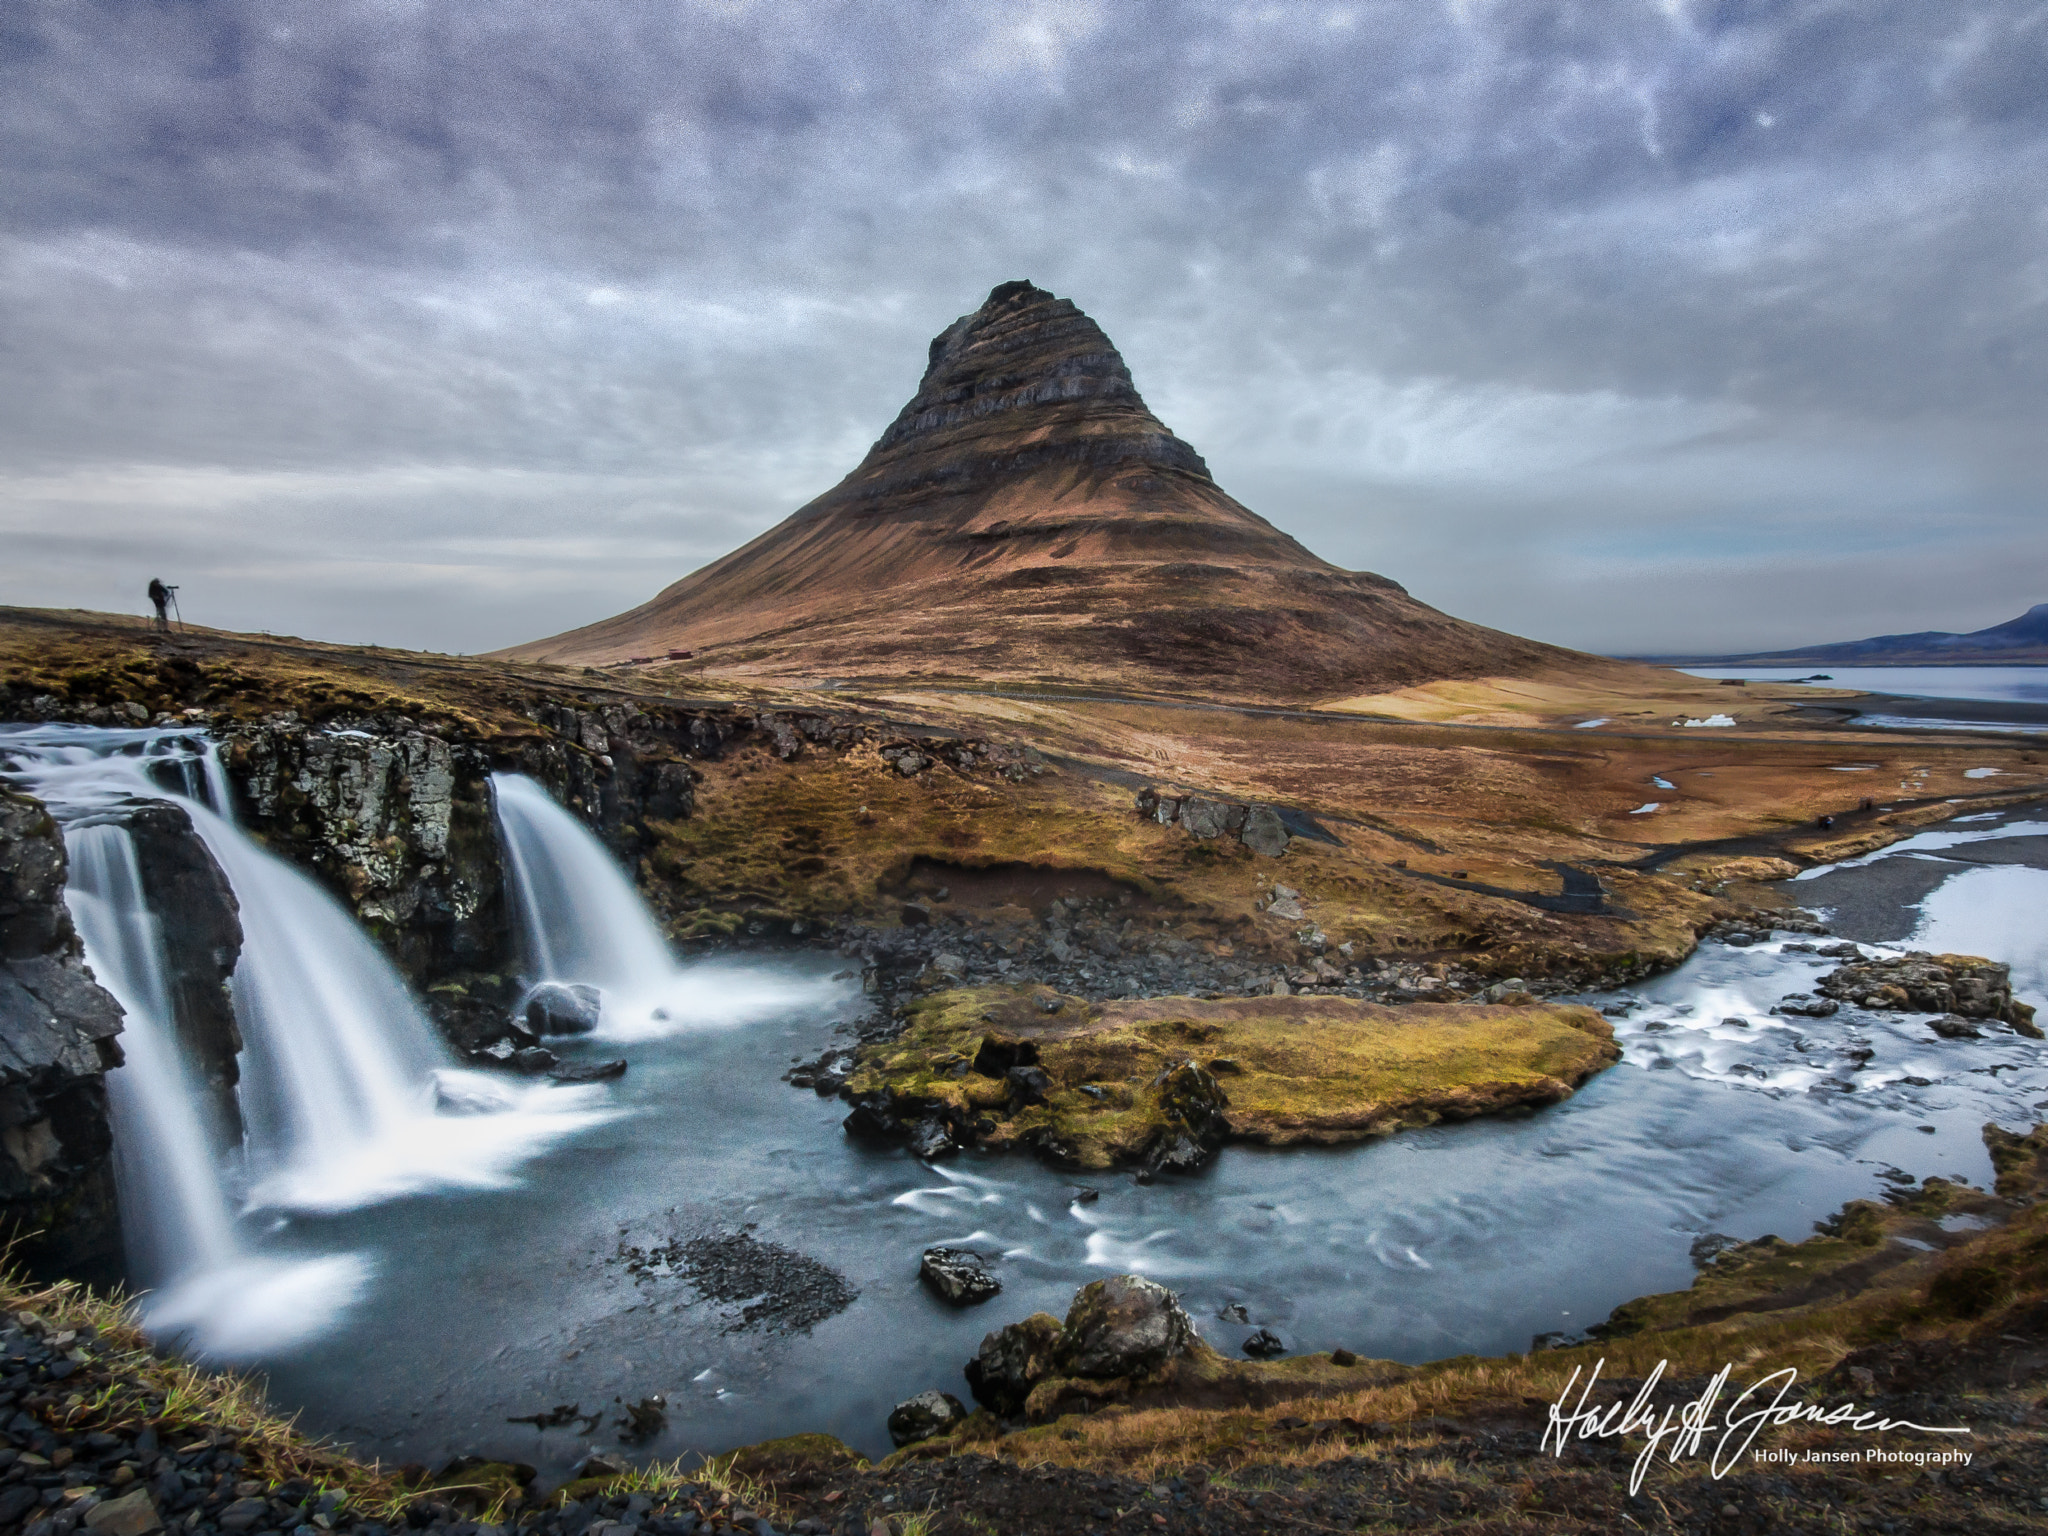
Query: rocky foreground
{"x": 1119, "y": 1419}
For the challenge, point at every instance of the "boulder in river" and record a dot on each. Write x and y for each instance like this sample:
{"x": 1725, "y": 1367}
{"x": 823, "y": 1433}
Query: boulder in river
{"x": 1953, "y": 1026}
{"x": 1966, "y": 985}
{"x": 563, "y": 1008}
{"x": 925, "y": 1416}
{"x": 1264, "y": 1345}
{"x": 1012, "y": 1360}
{"x": 930, "y": 1139}
{"x": 1808, "y": 1007}
{"x": 1123, "y": 1326}
{"x": 958, "y": 1276}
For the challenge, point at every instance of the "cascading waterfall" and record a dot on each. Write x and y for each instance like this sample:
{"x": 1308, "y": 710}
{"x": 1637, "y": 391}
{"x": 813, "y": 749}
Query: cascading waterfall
{"x": 346, "y": 1093}
{"x": 579, "y": 915}
{"x": 175, "y": 1216}
{"x": 582, "y": 921}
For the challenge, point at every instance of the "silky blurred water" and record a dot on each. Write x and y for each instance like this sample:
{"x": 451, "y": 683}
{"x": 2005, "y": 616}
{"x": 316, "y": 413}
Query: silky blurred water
{"x": 1474, "y": 1237}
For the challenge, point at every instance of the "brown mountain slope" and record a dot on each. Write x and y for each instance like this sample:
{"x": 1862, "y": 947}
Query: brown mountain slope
{"x": 1027, "y": 519}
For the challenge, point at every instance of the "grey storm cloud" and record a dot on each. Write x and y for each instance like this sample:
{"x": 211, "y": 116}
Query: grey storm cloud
{"x": 1633, "y": 326}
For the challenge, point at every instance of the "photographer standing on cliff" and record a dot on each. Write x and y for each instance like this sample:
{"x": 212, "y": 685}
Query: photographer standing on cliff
{"x": 161, "y": 596}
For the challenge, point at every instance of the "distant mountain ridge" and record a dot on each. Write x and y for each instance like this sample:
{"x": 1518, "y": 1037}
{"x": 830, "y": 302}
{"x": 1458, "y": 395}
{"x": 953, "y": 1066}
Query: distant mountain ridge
{"x": 2020, "y": 641}
{"x": 1025, "y": 519}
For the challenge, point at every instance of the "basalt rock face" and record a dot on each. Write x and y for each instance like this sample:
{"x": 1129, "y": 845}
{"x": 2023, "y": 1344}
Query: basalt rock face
{"x": 57, "y": 1040}
{"x": 1026, "y": 518}
{"x": 202, "y": 938}
{"x": 398, "y": 824}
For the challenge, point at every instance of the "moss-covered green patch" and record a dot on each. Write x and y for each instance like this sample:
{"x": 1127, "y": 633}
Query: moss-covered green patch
{"x": 1293, "y": 1069}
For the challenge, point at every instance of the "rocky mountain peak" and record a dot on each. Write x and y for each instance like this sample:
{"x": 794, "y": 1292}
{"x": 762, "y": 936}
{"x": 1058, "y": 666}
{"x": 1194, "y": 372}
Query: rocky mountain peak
{"x": 1026, "y": 518}
{"x": 1024, "y": 380}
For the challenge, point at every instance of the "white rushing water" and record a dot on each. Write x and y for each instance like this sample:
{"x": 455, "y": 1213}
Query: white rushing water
{"x": 579, "y": 916}
{"x": 347, "y": 1095}
{"x": 171, "y": 1170}
{"x": 581, "y": 920}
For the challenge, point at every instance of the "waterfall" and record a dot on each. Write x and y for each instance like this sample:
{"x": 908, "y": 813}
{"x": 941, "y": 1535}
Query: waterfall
{"x": 579, "y": 915}
{"x": 174, "y": 1212}
{"x": 346, "y": 1093}
{"x": 581, "y": 921}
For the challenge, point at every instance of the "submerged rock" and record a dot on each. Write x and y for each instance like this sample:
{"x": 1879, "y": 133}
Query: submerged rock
{"x": 563, "y": 1008}
{"x": 925, "y": 1416}
{"x": 586, "y": 1071}
{"x": 958, "y": 1276}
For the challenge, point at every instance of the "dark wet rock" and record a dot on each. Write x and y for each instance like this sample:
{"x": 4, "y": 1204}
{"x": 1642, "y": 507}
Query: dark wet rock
{"x": 1193, "y": 1106}
{"x": 1264, "y": 1345}
{"x": 1013, "y": 1360}
{"x": 644, "y": 1420}
{"x": 1123, "y": 1326}
{"x": 825, "y": 1076}
{"x": 58, "y": 1032}
{"x": 925, "y": 1416}
{"x": 1966, "y": 985}
{"x": 930, "y": 1139}
{"x": 535, "y": 1058}
{"x": 1951, "y": 1026}
{"x": 1808, "y": 1008}
{"x": 563, "y": 1008}
{"x": 201, "y": 930}
{"x": 1234, "y": 1312}
{"x": 958, "y": 1276}
{"x": 586, "y": 1071}
{"x": 871, "y": 1120}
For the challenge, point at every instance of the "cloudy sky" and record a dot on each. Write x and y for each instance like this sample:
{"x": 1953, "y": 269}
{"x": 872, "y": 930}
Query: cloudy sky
{"x": 1634, "y": 326}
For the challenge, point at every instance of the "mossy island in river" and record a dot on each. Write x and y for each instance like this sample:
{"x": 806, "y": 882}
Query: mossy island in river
{"x": 1161, "y": 1082}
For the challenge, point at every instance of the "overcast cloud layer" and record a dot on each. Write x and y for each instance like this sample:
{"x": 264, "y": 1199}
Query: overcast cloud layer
{"x": 1631, "y": 326}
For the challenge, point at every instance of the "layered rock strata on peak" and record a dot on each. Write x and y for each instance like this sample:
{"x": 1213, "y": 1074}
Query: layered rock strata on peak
{"x": 1026, "y": 518}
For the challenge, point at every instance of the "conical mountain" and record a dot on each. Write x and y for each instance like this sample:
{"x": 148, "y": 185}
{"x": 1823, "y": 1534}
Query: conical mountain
{"x": 1026, "y": 519}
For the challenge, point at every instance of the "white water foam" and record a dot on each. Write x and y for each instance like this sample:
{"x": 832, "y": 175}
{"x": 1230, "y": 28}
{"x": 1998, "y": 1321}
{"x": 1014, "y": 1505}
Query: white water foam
{"x": 582, "y": 921}
{"x": 346, "y": 1095}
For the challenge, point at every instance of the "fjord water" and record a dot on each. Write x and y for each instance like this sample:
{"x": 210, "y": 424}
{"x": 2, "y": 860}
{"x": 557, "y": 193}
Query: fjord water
{"x": 1998, "y": 685}
{"x": 472, "y": 1301}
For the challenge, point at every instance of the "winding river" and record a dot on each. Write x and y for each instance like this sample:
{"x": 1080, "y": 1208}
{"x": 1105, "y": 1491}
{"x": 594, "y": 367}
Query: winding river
{"x": 491, "y": 1281}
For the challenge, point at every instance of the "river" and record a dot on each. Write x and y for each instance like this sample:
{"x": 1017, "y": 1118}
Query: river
{"x": 448, "y": 1304}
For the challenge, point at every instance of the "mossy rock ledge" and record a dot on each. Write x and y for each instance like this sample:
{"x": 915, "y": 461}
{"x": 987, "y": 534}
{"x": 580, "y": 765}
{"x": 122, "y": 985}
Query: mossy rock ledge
{"x": 1160, "y": 1083}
